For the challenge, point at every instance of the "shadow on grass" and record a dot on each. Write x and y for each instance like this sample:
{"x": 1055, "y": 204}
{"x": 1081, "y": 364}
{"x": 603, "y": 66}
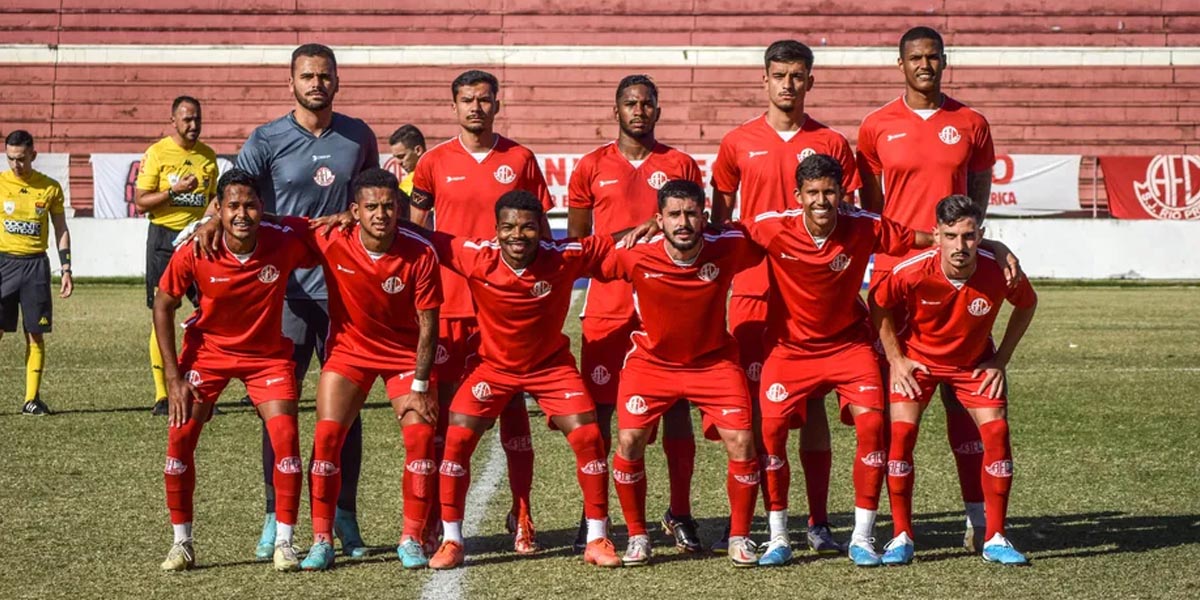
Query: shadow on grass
{"x": 227, "y": 408}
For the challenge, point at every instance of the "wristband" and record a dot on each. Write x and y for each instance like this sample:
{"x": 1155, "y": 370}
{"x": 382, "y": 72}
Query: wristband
{"x": 64, "y": 256}
{"x": 420, "y": 385}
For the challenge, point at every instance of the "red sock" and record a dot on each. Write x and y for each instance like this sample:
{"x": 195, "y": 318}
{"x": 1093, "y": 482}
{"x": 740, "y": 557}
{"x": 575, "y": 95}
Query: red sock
{"x": 179, "y": 474}
{"x": 285, "y": 440}
{"x": 817, "y": 464}
{"x": 419, "y": 474}
{"x": 968, "y": 452}
{"x": 741, "y": 483}
{"x": 325, "y": 475}
{"x": 901, "y": 473}
{"x": 516, "y": 438}
{"x": 777, "y": 472}
{"x": 455, "y": 471}
{"x": 681, "y": 463}
{"x": 591, "y": 469}
{"x": 997, "y": 474}
{"x": 629, "y": 477}
{"x": 869, "y": 459}
{"x": 434, "y": 518}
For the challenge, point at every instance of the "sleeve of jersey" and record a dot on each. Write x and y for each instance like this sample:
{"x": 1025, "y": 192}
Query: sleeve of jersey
{"x": 370, "y": 149}
{"x": 422, "y": 180}
{"x": 180, "y": 272}
{"x": 1023, "y": 296}
{"x": 692, "y": 172}
{"x": 453, "y": 253}
{"x": 889, "y": 292}
{"x": 892, "y": 238}
{"x": 746, "y": 252}
{"x": 760, "y": 232}
{"x": 850, "y": 178}
{"x": 725, "y": 174}
{"x": 983, "y": 152}
{"x": 537, "y": 183}
{"x": 308, "y": 252}
{"x": 56, "y": 201}
{"x": 579, "y": 188}
{"x": 596, "y": 249}
{"x": 868, "y": 157}
{"x": 253, "y": 157}
{"x": 428, "y": 292}
{"x": 147, "y": 178}
{"x": 612, "y": 267}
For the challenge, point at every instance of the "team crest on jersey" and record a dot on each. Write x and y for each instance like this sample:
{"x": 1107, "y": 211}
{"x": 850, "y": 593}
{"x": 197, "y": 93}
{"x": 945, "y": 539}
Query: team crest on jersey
{"x": 324, "y": 176}
{"x": 709, "y": 272}
{"x": 290, "y": 464}
{"x": 754, "y": 371}
{"x": 875, "y": 459}
{"x": 423, "y": 466}
{"x": 39, "y": 208}
{"x": 657, "y": 179}
{"x": 805, "y": 153}
{"x": 839, "y": 263}
{"x": 773, "y": 463}
{"x": 482, "y": 391}
{"x": 1000, "y": 468}
{"x": 505, "y": 175}
{"x": 777, "y": 393}
{"x": 174, "y": 466}
{"x": 636, "y": 405}
{"x": 600, "y": 375}
{"x": 193, "y": 377}
{"x": 268, "y": 274}
{"x": 949, "y": 135}
{"x": 979, "y": 307}
{"x": 10, "y": 207}
{"x": 540, "y": 289}
{"x": 393, "y": 285}
{"x": 595, "y": 467}
{"x": 442, "y": 355}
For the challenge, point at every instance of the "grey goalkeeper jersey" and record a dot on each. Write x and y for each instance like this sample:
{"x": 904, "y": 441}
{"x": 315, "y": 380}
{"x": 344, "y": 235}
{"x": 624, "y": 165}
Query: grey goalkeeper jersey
{"x": 303, "y": 175}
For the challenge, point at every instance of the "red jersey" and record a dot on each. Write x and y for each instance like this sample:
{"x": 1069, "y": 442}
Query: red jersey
{"x": 682, "y": 307}
{"x": 922, "y": 160}
{"x": 465, "y": 191}
{"x": 621, "y": 196}
{"x": 755, "y": 159}
{"x": 373, "y": 301}
{"x": 241, "y": 303}
{"x": 815, "y": 306}
{"x": 948, "y": 325}
{"x": 521, "y": 313}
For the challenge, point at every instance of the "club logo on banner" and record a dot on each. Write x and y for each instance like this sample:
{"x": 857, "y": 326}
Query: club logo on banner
{"x": 1165, "y": 187}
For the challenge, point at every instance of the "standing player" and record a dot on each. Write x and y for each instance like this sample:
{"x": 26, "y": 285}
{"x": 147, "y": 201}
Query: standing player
{"x": 175, "y": 184}
{"x": 951, "y": 297}
{"x": 682, "y": 352}
{"x": 456, "y": 180}
{"x": 304, "y": 162}
{"x": 234, "y": 333}
{"x": 921, "y": 147}
{"x": 407, "y": 144}
{"x": 759, "y": 158}
{"x": 615, "y": 187}
{"x": 31, "y": 202}
{"x": 522, "y": 287}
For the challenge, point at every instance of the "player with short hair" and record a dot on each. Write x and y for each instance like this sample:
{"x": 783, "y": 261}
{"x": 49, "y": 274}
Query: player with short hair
{"x": 407, "y": 144}
{"x": 682, "y": 352}
{"x": 612, "y": 188}
{"x": 522, "y": 285}
{"x": 951, "y": 297}
{"x": 176, "y": 181}
{"x": 919, "y": 148}
{"x": 759, "y": 159}
{"x": 31, "y": 202}
{"x": 457, "y": 181}
{"x": 234, "y": 333}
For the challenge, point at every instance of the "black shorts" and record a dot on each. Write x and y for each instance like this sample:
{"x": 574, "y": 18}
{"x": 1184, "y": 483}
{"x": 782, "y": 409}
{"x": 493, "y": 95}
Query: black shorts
{"x": 25, "y": 288}
{"x": 158, "y": 255}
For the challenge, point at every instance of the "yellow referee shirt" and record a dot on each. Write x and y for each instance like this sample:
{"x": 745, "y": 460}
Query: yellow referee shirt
{"x": 27, "y": 206}
{"x": 163, "y": 165}
{"x": 406, "y": 184}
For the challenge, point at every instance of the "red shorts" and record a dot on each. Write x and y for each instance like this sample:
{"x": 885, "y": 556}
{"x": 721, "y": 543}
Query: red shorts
{"x": 457, "y": 340}
{"x": 558, "y": 389}
{"x": 266, "y": 379}
{"x": 965, "y": 387}
{"x": 602, "y": 354}
{"x": 748, "y": 324}
{"x": 398, "y": 378}
{"x": 790, "y": 379}
{"x": 647, "y": 391}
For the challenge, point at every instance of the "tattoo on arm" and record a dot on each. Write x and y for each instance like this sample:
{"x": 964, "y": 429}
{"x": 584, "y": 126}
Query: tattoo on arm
{"x": 427, "y": 323}
{"x": 979, "y": 188}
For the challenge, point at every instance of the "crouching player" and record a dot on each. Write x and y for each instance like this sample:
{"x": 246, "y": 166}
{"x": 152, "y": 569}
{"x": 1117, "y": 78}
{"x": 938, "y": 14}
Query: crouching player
{"x": 234, "y": 333}
{"x": 952, "y": 296}
{"x": 384, "y": 294}
{"x": 522, "y": 289}
{"x": 681, "y": 279}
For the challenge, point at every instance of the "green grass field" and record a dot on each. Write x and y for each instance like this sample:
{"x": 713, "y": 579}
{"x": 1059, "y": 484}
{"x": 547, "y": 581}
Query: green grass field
{"x": 1104, "y": 412}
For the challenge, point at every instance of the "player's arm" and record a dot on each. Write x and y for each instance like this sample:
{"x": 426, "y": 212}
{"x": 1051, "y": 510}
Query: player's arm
{"x": 419, "y": 399}
{"x": 59, "y": 219}
{"x": 723, "y": 204}
{"x": 148, "y": 200}
{"x": 901, "y": 366}
{"x": 993, "y": 370}
{"x": 871, "y": 193}
{"x": 579, "y": 222}
{"x": 979, "y": 188}
{"x": 870, "y": 170}
{"x": 180, "y": 393}
{"x": 422, "y": 204}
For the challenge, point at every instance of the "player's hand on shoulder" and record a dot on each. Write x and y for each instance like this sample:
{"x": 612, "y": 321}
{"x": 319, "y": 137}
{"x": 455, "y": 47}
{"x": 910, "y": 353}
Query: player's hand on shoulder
{"x": 205, "y": 237}
{"x": 644, "y": 231}
{"x": 992, "y": 372}
{"x": 903, "y": 380}
{"x": 325, "y": 225}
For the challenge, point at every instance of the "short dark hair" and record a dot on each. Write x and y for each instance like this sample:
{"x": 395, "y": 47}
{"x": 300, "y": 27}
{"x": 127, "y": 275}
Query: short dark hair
{"x": 922, "y": 33}
{"x": 680, "y": 188}
{"x": 788, "y": 51}
{"x": 519, "y": 200}
{"x": 181, "y": 99}
{"x": 314, "y": 50}
{"x": 19, "y": 137}
{"x": 236, "y": 176}
{"x": 956, "y": 207}
{"x": 473, "y": 77}
{"x": 409, "y": 135}
{"x": 631, "y": 80}
{"x": 818, "y": 166}
{"x": 373, "y": 177}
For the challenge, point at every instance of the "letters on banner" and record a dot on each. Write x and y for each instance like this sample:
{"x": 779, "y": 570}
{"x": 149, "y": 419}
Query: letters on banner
{"x": 1165, "y": 187}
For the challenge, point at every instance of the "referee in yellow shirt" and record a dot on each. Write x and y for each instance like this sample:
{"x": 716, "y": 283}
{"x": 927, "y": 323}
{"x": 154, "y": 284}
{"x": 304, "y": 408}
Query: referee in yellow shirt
{"x": 30, "y": 201}
{"x": 407, "y": 145}
{"x": 176, "y": 182}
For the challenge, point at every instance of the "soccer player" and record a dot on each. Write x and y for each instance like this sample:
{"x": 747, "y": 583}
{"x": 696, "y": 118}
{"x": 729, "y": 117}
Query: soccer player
{"x": 921, "y": 147}
{"x": 456, "y": 180}
{"x": 31, "y": 201}
{"x": 521, "y": 284}
{"x": 407, "y": 144}
{"x": 759, "y": 159}
{"x": 234, "y": 333}
{"x": 384, "y": 293}
{"x": 615, "y": 187}
{"x": 682, "y": 352}
{"x": 305, "y": 162}
{"x": 175, "y": 184}
{"x": 951, "y": 296}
